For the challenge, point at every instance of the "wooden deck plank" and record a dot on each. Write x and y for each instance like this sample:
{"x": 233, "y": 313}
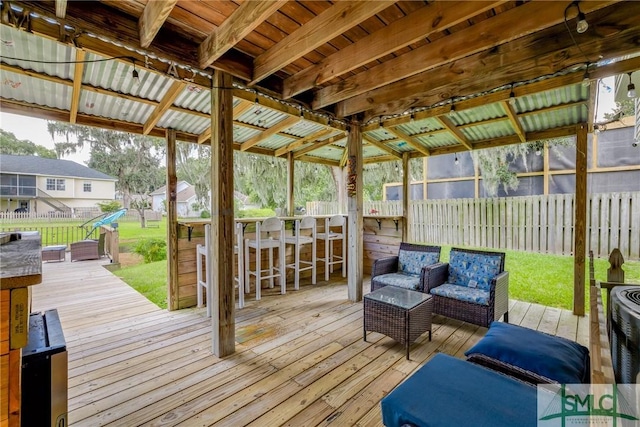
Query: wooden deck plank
{"x": 300, "y": 358}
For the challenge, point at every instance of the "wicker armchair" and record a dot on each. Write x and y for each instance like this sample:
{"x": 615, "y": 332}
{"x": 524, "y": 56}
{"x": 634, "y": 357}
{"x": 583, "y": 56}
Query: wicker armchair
{"x": 475, "y": 296}
{"x": 407, "y": 269}
{"x": 84, "y": 249}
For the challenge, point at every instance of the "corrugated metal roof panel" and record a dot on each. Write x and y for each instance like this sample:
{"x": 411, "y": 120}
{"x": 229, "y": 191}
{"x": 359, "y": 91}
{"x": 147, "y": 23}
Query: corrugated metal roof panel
{"x": 380, "y": 135}
{"x": 15, "y": 41}
{"x": 437, "y": 140}
{"x": 195, "y": 98}
{"x": 550, "y": 98}
{"x": 243, "y": 134}
{"x": 276, "y": 141}
{"x": 327, "y": 152}
{"x": 184, "y": 122}
{"x": 556, "y": 118}
{"x": 478, "y": 114}
{"x": 495, "y": 129}
{"x": 35, "y": 91}
{"x": 259, "y": 115}
{"x": 372, "y": 151}
{"x": 305, "y": 128}
{"x": 420, "y": 126}
{"x": 113, "y": 107}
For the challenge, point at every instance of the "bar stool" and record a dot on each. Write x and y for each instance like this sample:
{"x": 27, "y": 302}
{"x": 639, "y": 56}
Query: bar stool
{"x": 330, "y": 258}
{"x": 204, "y": 283}
{"x": 269, "y": 227}
{"x": 298, "y": 240}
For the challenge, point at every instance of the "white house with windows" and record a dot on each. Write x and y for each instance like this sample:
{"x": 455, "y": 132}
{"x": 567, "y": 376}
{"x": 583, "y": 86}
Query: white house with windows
{"x": 36, "y": 184}
{"x": 185, "y": 200}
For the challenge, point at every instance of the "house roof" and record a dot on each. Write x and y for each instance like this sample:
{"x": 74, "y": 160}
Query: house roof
{"x": 186, "y": 194}
{"x": 423, "y": 77}
{"x": 34, "y": 165}
{"x": 162, "y": 190}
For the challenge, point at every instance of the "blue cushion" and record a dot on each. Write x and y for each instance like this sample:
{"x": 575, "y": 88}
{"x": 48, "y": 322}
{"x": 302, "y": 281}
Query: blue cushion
{"x": 447, "y": 392}
{"x": 462, "y": 293}
{"x": 399, "y": 280}
{"x": 555, "y": 358}
{"x": 411, "y": 262}
{"x": 466, "y": 267}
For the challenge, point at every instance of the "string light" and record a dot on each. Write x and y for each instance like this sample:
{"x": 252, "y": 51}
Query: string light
{"x": 512, "y": 97}
{"x": 631, "y": 89}
{"x": 456, "y": 161}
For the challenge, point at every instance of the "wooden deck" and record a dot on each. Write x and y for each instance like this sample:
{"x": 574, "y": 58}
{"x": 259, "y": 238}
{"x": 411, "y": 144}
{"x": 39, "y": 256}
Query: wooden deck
{"x": 300, "y": 358}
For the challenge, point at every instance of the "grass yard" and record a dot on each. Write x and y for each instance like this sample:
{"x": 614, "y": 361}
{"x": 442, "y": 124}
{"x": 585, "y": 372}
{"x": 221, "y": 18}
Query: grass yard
{"x": 540, "y": 278}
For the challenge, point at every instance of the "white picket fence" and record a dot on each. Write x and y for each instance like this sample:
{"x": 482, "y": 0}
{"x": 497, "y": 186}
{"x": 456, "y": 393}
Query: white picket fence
{"x": 543, "y": 224}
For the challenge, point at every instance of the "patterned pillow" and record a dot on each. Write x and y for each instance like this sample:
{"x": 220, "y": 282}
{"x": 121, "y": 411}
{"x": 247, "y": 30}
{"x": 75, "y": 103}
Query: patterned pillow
{"x": 411, "y": 262}
{"x": 473, "y": 270}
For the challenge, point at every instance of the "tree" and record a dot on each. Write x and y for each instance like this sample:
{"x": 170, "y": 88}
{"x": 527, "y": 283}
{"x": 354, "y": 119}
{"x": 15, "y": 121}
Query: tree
{"x": 134, "y": 159}
{"x": 193, "y": 164}
{"x": 494, "y": 163}
{"x": 622, "y": 109}
{"x": 9, "y": 144}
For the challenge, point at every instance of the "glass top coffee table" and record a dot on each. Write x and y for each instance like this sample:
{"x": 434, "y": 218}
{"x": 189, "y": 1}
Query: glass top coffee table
{"x": 401, "y": 314}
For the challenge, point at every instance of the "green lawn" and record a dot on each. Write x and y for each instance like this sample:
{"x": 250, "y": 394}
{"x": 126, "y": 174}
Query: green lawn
{"x": 539, "y": 278}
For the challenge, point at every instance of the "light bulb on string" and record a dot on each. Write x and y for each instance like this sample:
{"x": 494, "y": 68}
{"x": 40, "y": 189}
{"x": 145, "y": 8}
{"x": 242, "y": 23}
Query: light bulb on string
{"x": 456, "y": 161}
{"x": 135, "y": 75}
{"x": 631, "y": 89}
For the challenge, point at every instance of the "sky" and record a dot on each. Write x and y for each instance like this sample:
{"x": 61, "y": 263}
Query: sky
{"x": 35, "y": 130}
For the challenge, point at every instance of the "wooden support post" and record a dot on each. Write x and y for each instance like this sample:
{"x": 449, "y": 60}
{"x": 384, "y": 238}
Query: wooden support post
{"x": 172, "y": 222}
{"x": 354, "y": 207}
{"x": 222, "y": 218}
{"x": 290, "y": 176}
{"x": 580, "y": 235}
{"x": 406, "y": 195}
{"x": 424, "y": 177}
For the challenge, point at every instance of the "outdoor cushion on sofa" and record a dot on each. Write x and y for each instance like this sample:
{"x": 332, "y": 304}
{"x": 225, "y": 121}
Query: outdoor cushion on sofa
{"x": 474, "y": 270}
{"x": 555, "y": 358}
{"x": 447, "y": 391}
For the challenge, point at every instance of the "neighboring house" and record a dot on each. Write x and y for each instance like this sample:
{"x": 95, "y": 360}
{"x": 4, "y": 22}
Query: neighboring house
{"x": 185, "y": 198}
{"x": 40, "y": 185}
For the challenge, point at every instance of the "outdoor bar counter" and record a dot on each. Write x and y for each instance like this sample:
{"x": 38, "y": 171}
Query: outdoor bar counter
{"x": 382, "y": 236}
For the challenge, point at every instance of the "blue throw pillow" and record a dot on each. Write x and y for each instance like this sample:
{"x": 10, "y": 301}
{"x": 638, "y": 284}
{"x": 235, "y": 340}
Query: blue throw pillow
{"x": 473, "y": 270}
{"x": 555, "y": 358}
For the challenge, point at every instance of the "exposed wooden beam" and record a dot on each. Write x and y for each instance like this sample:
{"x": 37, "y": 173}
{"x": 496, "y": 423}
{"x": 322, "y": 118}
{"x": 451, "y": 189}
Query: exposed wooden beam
{"x": 434, "y": 17}
{"x": 318, "y": 31}
{"x": 167, "y": 100}
{"x": 521, "y": 60}
{"x": 381, "y": 145}
{"x": 316, "y": 135}
{"x": 318, "y": 160}
{"x": 380, "y": 159}
{"x": 457, "y": 133}
{"x": 284, "y": 124}
{"x": 298, "y": 154}
{"x": 61, "y": 8}
{"x": 77, "y": 85}
{"x": 287, "y": 109}
{"x": 531, "y": 17}
{"x": 242, "y": 21}
{"x": 514, "y": 120}
{"x": 591, "y": 106}
{"x": 152, "y": 19}
{"x": 409, "y": 140}
{"x": 122, "y": 29}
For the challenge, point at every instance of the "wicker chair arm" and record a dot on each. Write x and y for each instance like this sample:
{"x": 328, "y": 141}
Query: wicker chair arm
{"x": 384, "y": 266}
{"x": 433, "y": 276}
{"x": 501, "y": 282}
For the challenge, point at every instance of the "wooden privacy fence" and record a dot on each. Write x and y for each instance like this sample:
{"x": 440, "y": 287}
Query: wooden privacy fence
{"x": 534, "y": 223}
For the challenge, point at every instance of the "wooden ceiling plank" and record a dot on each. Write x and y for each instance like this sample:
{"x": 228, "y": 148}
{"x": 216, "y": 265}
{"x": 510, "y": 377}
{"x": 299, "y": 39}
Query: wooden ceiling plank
{"x": 384, "y": 147}
{"x": 521, "y": 60}
{"x": 531, "y": 17}
{"x": 61, "y": 8}
{"x": 152, "y": 19}
{"x": 321, "y": 29}
{"x": 319, "y": 160}
{"x": 285, "y": 124}
{"x": 298, "y": 154}
{"x": 316, "y": 135}
{"x": 457, "y": 133}
{"x": 77, "y": 85}
{"x": 409, "y": 140}
{"x": 236, "y": 27}
{"x": 514, "y": 120}
{"x": 379, "y": 159}
{"x": 167, "y": 100}
{"x": 434, "y": 17}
